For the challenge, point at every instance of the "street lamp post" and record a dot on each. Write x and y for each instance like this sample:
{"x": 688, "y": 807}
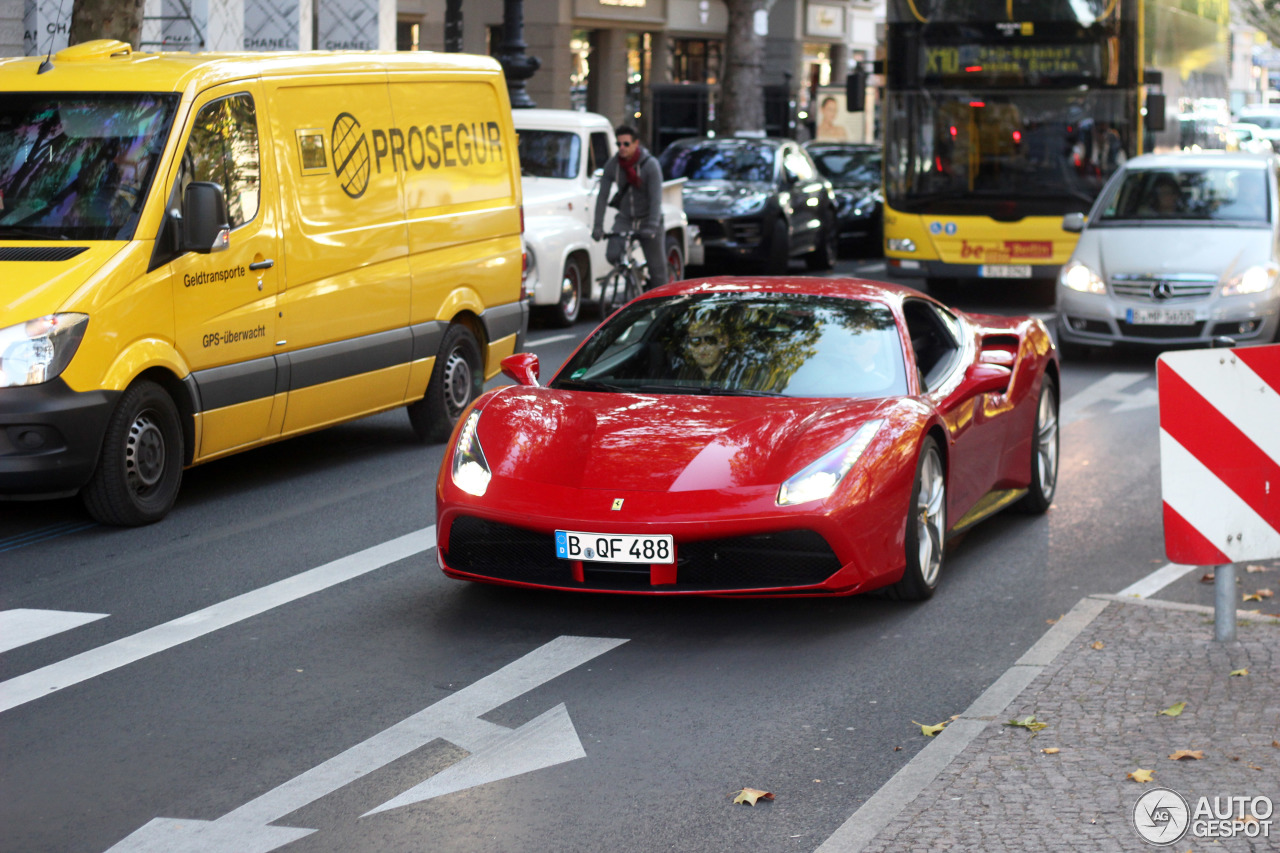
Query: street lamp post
{"x": 519, "y": 67}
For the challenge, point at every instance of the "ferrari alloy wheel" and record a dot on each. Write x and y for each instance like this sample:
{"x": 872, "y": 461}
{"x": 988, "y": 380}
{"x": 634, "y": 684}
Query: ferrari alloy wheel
{"x": 565, "y": 312}
{"x": 926, "y": 528}
{"x": 456, "y": 380}
{"x": 1044, "y": 452}
{"x": 140, "y": 466}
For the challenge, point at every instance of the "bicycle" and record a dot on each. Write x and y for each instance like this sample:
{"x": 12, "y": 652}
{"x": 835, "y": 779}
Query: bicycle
{"x": 622, "y": 283}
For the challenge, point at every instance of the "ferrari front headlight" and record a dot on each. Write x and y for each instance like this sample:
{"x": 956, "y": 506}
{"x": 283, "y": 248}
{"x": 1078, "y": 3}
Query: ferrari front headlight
{"x": 1078, "y": 276}
{"x": 40, "y": 349}
{"x": 1253, "y": 280}
{"x": 820, "y": 478}
{"x": 470, "y": 470}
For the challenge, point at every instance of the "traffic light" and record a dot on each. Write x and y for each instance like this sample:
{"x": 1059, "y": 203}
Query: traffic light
{"x": 855, "y": 85}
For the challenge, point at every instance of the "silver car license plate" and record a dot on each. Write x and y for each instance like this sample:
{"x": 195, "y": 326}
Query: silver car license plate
{"x": 1160, "y": 316}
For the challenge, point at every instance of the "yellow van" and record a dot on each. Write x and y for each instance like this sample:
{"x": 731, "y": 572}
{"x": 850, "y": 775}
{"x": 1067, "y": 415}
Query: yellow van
{"x": 203, "y": 253}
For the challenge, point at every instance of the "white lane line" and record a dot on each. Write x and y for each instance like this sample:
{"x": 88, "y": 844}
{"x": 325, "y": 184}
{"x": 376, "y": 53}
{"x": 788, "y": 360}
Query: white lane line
{"x": 65, "y": 673}
{"x": 1155, "y": 581}
{"x": 551, "y": 340}
{"x": 19, "y": 627}
{"x": 1110, "y": 387}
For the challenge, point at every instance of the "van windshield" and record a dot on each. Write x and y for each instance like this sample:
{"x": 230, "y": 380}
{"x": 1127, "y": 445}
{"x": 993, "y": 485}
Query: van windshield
{"x": 78, "y": 166}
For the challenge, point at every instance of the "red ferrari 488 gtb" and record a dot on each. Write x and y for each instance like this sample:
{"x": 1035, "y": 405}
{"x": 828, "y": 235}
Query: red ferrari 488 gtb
{"x": 753, "y": 436}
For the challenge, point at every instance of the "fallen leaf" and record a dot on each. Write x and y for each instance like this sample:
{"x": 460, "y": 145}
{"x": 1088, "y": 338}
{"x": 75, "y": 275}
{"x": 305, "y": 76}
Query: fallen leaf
{"x": 1253, "y": 570}
{"x": 1244, "y": 671}
{"x": 1207, "y": 577}
{"x": 897, "y": 749}
{"x": 1099, "y": 645}
{"x": 1050, "y": 621}
{"x": 1187, "y": 753}
{"x": 1266, "y": 593}
{"x": 930, "y": 731}
{"x": 1141, "y": 775}
{"x": 750, "y": 795}
{"x": 1276, "y": 744}
{"x": 1254, "y": 767}
{"x": 1252, "y": 597}
{"x": 1173, "y": 710}
{"x": 1030, "y": 723}
{"x": 1246, "y": 819}
{"x": 1051, "y": 750}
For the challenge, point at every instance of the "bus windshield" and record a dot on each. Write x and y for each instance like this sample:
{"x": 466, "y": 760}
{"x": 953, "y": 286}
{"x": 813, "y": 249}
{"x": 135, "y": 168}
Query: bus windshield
{"x": 1002, "y": 153}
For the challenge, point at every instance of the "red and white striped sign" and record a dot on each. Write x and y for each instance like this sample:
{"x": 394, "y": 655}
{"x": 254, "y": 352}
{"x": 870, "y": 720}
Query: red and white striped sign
{"x": 1220, "y": 454}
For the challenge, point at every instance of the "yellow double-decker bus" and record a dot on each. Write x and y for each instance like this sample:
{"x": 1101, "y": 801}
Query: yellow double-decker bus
{"x": 1000, "y": 116}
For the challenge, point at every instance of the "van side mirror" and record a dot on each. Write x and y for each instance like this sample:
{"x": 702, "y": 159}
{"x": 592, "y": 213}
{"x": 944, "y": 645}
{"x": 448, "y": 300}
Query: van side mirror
{"x": 205, "y": 223}
{"x": 1073, "y": 222}
{"x": 521, "y": 368}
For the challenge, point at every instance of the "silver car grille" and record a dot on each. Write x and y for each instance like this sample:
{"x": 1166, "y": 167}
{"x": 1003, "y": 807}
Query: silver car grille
{"x": 1152, "y": 287}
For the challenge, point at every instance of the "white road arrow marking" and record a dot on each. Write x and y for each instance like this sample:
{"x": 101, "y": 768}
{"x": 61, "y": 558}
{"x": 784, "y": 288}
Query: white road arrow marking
{"x": 1109, "y": 388}
{"x": 19, "y": 627}
{"x": 497, "y": 752}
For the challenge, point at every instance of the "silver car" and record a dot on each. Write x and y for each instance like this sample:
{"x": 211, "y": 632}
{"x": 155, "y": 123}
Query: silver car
{"x": 1178, "y": 249}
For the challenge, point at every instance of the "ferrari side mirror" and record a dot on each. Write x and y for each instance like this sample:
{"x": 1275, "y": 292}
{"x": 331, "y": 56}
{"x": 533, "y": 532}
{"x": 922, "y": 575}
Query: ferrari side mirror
{"x": 984, "y": 379}
{"x": 521, "y": 368}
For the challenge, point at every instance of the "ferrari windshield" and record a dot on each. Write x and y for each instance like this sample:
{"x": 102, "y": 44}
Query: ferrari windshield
{"x": 78, "y": 166}
{"x": 720, "y": 160}
{"x": 1217, "y": 194}
{"x": 789, "y": 345}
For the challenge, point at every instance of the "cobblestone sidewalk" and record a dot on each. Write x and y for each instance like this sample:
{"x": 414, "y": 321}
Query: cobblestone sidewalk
{"x": 1100, "y": 696}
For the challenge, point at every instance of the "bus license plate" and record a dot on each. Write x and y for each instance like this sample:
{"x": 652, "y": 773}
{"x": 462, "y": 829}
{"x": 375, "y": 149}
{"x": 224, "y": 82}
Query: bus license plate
{"x": 1160, "y": 317}
{"x": 614, "y": 547}
{"x": 1005, "y": 271}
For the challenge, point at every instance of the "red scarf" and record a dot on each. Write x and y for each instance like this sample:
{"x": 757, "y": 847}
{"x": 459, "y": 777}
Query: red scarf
{"x": 629, "y": 166}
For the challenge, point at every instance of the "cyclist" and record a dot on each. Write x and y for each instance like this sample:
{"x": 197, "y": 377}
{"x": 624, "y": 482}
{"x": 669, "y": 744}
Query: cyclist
{"x": 638, "y": 202}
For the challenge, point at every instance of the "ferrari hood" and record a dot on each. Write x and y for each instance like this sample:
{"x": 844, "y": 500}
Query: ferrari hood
{"x": 43, "y": 284}
{"x": 658, "y": 442}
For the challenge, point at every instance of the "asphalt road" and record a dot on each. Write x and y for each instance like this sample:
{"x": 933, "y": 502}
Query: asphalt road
{"x": 197, "y": 691}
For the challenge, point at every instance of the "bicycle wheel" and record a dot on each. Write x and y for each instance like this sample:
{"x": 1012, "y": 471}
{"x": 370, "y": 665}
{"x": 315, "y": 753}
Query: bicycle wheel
{"x": 619, "y": 289}
{"x": 632, "y": 289}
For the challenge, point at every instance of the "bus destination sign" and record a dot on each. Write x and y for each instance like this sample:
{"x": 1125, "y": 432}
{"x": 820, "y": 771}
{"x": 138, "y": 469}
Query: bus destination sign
{"x": 1024, "y": 63}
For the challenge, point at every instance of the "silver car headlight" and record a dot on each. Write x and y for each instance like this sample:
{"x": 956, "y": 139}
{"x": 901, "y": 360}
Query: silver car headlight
{"x": 470, "y": 470}
{"x": 819, "y": 479}
{"x": 1078, "y": 276}
{"x": 40, "y": 349}
{"x": 1257, "y": 279}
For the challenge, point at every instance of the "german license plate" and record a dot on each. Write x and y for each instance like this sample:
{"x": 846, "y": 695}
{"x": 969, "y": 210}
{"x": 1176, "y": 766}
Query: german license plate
{"x": 1160, "y": 316}
{"x": 1005, "y": 271}
{"x": 614, "y": 547}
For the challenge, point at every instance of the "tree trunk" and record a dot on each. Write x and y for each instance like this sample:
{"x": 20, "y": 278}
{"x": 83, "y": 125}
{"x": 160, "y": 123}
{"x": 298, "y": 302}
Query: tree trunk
{"x": 742, "y": 93}
{"x": 106, "y": 19}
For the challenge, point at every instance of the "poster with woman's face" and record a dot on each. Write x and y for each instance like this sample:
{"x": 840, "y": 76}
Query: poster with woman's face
{"x": 832, "y": 122}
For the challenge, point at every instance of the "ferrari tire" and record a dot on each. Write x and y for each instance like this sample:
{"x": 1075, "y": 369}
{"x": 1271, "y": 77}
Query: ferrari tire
{"x": 140, "y": 464}
{"x": 456, "y": 380}
{"x": 675, "y": 259}
{"x": 565, "y": 312}
{"x": 926, "y": 528}
{"x": 1044, "y": 452}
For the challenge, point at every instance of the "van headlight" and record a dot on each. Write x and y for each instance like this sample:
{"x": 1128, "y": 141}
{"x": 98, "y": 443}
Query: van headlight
{"x": 470, "y": 470}
{"x": 1253, "y": 280}
{"x": 819, "y": 479}
{"x": 40, "y": 349}
{"x": 1078, "y": 276}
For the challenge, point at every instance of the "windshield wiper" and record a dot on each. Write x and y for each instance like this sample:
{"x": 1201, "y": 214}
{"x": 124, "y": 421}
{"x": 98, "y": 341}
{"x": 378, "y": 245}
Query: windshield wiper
{"x": 587, "y": 385}
{"x": 708, "y": 390}
{"x": 7, "y": 230}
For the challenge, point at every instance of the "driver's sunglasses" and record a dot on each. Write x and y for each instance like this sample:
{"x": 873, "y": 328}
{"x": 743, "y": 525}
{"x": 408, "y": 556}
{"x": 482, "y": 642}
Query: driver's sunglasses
{"x": 622, "y": 144}
{"x": 708, "y": 340}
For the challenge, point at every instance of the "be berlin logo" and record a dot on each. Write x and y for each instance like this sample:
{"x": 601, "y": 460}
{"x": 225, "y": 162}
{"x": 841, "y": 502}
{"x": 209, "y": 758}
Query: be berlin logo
{"x": 1163, "y": 816}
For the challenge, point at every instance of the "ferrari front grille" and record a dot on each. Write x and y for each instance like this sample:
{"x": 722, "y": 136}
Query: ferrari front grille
{"x": 793, "y": 558}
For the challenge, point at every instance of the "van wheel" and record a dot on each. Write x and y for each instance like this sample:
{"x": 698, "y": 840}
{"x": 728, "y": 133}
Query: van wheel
{"x": 456, "y": 380}
{"x": 140, "y": 465}
{"x": 565, "y": 312}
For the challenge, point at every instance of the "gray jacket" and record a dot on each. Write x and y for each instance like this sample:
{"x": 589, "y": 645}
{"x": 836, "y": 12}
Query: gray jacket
{"x": 641, "y": 205}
